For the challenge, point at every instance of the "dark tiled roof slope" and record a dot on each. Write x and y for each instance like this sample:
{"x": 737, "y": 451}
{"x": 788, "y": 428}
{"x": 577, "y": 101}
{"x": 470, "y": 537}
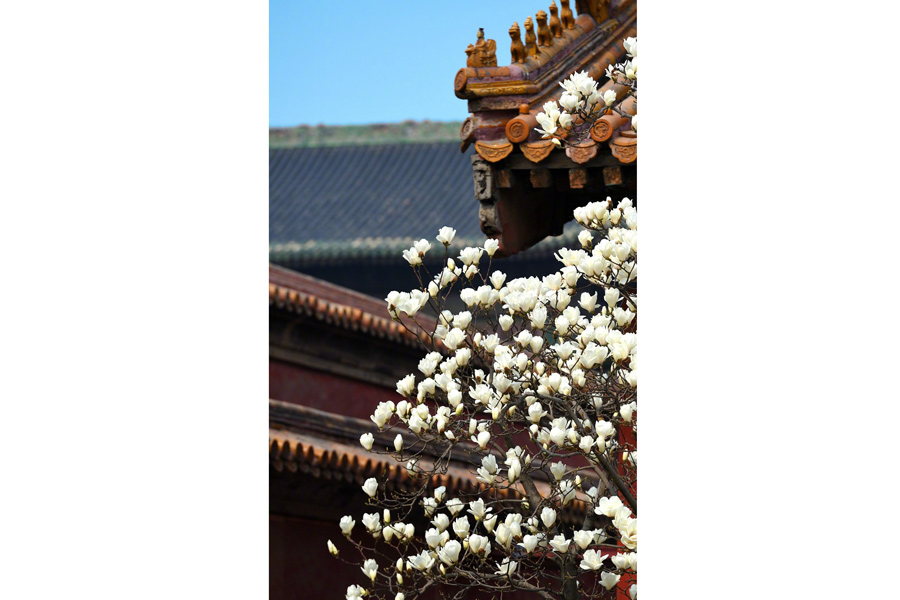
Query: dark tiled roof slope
{"x": 372, "y": 198}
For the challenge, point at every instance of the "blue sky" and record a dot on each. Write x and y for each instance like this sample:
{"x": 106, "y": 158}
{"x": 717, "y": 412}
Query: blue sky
{"x": 377, "y": 62}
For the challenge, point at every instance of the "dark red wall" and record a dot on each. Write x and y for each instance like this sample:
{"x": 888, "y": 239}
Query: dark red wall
{"x": 325, "y": 391}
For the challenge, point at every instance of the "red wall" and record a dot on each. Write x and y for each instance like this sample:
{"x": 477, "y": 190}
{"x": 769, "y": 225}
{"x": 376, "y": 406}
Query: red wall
{"x": 325, "y": 391}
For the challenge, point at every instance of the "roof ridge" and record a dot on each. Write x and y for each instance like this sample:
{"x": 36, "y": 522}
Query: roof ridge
{"x": 405, "y": 132}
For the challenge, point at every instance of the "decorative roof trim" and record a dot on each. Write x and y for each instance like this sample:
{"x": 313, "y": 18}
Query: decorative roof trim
{"x": 333, "y": 304}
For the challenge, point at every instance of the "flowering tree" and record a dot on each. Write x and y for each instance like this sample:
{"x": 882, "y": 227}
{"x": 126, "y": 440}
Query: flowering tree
{"x": 535, "y": 384}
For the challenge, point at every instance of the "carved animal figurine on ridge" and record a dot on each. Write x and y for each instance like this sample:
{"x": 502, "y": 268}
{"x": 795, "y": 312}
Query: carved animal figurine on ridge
{"x": 555, "y": 23}
{"x": 530, "y": 40}
{"x": 517, "y": 48}
{"x": 565, "y": 15}
{"x": 544, "y": 36}
{"x": 483, "y": 53}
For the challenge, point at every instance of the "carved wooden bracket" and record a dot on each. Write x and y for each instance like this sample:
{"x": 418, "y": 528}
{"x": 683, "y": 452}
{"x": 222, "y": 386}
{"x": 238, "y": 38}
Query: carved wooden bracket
{"x": 578, "y": 178}
{"x": 541, "y": 178}
{"x": 482, "y": 175}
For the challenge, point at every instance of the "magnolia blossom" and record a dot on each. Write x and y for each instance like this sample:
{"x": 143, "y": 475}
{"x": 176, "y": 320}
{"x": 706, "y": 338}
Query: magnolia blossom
{"x": 332, "y": 548}
{"x": 445, "y": 235}
{"x": 354, "y": 592}
{"x": 479, "y": 544}
{"x": 347, "y": 524}
{"x": 583, "y": 539}
{"x": 609, "y": 97}
{"x": 366, "y": 440}
{"x": 477, "y": 509}
{"x": 449, "y": 554}
{"x": 609, "y": 580}
{"x": 548, "y": 517}
{"x": 370, "y": 487}
{"x": 592, "y": 560}
{"x": 608, "y": 506}
{"x": 560, "y": 544}
{"x": 421, "y": 561}
{"x": 461, "y": 527}
{"x": 370, "y": 569}
{"x": 507, "y": 567}
{"x": 454, "y": 505}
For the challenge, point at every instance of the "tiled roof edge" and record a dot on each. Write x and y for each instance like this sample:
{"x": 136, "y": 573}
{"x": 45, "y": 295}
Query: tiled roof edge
{"x": 315, "y": 298}
{"x": 390, "y": 249}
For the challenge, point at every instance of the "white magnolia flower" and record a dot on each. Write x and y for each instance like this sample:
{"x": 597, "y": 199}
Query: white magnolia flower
{"x": 477, "y": 510}
{"x": 560, "y": 544}
{"x": 435, "y": 538}
{"x": 609, "y": 97}
{"x": 530, "y": 543}
{"x": 446, "y": 235}
{"x": 370, "y": 569}
{"x": 370, "y": 487}
{"x": 622, "y": 561}
{"x": 455, "y": 505}
{"x": 371, "y": 522}
{"x": 632, "y": 591}
{"x": 627, "y": 411}
{"x": 503, "y": 535}
{"x": 412, "y": 257}
{"x": 583, "y": 538}
{"x": 422, "y": 561}
{"x": 631, "y": 46}
{"x": 430, "y": 505}
{"x": 490, "y": 522}
{"x": 439, "y": 493}
{"x": 548, "y": 517}
{"x": 491, "y": 246}
{"x": 347, "y": 524}
{"x": 441, "y": 521}
{"x": 479, "y": 544}
{"x": 608, "y": 506}
{"x": 398, "y": 443}
{"x": 536, "y": 412}
{"x": 449, "y": 554}
{"x": 366, "y": 440}
{"x": 515, "y": 469}
{"x": 507, "y": 567}
{"x": 454, "y": 338}
{"x": 609, "y": 580}
{"x": 558, "y": 470}
{"x": 592, "y": 560}
{"x": 354, "y": 592}
{"x": 461, "y": 527}
{"x": 569, "y": 101}
{"x": 332, "y": 548}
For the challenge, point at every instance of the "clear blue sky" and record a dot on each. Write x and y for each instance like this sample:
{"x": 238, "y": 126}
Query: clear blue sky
{"x": 384, "y": 61}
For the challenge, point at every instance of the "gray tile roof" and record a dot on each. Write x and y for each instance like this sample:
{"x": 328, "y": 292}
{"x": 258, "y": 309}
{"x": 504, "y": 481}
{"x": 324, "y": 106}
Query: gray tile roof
{"x": 331, "y": 202}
